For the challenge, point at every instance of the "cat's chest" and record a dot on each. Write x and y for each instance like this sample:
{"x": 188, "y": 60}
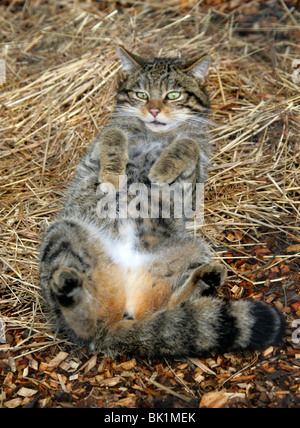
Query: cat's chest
{"x": 143, "y": 151}
{"x": 123, "y": 246}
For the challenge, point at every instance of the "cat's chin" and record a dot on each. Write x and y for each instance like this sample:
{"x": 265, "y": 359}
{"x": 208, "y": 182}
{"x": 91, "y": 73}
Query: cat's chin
{"x": 157, "y": 126}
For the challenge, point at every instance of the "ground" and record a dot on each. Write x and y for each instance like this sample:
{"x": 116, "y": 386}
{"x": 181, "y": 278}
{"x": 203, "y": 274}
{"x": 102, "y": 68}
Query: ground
{"x": 58, "y": 71}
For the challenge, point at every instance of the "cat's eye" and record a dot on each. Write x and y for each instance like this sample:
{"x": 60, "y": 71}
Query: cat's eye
{"x": 142, "y": 95}
{"x": 173, "y": 95}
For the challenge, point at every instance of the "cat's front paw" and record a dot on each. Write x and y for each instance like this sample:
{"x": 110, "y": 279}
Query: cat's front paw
{"x": 162, "y": 173}
{"x": 168, "y": 172}
{"x": 110, "y": 182}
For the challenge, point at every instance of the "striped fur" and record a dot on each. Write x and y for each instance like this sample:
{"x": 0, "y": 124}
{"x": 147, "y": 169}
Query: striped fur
{"x": 143, "y": 286}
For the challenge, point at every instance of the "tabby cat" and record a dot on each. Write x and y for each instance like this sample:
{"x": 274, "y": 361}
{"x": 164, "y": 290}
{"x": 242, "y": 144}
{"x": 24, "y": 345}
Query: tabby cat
{"x": 144, "y": 286}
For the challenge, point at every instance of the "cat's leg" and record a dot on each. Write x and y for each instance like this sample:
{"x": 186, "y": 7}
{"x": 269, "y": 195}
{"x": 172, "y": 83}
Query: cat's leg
{"x": 202, "y": 280}
{"x": 179, "y": 160}
{"x": 77, "y": 303}
{"x": 113, "y": 158}
{"x": 66, "y": 263}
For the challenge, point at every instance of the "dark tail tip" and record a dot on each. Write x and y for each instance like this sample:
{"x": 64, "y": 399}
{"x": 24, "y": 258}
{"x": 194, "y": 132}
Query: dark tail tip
{"x": 268, "y": 328}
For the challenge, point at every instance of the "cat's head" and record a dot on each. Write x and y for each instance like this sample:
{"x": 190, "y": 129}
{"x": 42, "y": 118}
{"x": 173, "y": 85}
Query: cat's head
{"x": 163, "y": 92}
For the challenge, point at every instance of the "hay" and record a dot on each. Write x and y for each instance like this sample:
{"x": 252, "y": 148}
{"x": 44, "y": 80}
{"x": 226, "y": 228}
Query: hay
{"x": 61, "y": 72}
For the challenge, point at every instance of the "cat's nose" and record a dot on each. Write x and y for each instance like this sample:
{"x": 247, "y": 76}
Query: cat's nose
{"x": 154, "y": 111}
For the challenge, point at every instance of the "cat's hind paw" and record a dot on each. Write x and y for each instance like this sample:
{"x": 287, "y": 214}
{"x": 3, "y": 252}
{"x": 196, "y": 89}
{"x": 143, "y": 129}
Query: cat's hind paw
{"x": 66, "y": 285}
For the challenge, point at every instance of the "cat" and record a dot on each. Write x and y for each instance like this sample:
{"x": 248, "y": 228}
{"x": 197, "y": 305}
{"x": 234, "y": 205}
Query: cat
{"x": 144, "y": 286}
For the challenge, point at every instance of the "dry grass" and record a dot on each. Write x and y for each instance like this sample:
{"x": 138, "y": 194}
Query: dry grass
{"x": 61, "y": 71}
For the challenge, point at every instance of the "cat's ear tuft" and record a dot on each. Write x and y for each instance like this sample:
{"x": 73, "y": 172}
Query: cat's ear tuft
{"x": 129, "y": 60}
{"x": 199, "y": 67}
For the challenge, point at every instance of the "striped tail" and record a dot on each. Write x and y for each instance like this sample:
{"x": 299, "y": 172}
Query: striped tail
{"x": 195, "y": 327}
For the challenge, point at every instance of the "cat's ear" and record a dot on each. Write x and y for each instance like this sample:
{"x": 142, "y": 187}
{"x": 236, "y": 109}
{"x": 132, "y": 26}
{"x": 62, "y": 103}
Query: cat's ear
{"x": 129, "y": 60}
{"x": 199, "y": 67}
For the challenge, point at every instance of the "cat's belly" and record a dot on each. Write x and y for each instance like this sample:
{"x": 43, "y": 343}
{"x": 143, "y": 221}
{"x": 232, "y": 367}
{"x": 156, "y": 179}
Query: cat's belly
{"x": 143, "y": 293}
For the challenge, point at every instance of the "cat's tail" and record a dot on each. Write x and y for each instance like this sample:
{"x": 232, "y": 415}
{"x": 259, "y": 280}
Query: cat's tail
{"x": 194, "y": 327}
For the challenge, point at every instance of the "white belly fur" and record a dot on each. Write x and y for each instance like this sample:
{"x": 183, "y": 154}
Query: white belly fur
{"x": 123, "y": 252}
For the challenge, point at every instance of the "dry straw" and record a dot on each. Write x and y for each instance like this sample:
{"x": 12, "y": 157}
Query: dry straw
{"x": 61, "y": 72}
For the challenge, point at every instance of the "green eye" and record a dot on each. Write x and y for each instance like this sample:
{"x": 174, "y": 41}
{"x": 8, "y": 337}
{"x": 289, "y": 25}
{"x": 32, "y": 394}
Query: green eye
{"x": 142, "y": 95}
{"x": 173, "y": 95}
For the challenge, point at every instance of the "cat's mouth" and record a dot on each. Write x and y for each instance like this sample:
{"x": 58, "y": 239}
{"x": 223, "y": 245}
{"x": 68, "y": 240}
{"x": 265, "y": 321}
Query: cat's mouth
{"x": 158, "y": 126}
{"x": 157, "y": 123}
